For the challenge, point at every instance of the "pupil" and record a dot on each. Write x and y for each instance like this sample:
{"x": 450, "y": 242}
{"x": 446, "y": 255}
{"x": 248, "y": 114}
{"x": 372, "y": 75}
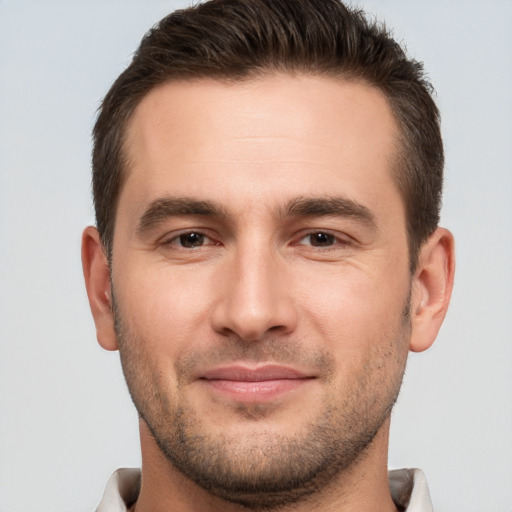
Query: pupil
{"x": 321, "y": 239}
{"x": 191, "y": 239}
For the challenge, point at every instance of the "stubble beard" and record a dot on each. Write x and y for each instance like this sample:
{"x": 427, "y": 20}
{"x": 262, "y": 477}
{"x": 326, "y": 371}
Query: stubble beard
{"x": 264, "y": 471}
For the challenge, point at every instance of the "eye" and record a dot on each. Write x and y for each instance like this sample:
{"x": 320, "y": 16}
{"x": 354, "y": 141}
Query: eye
{"x": 319, "y": 239}
{"x": 190, "y": 240}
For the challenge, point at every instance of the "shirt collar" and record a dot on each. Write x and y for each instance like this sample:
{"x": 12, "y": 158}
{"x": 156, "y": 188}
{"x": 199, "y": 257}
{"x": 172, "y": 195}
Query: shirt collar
{"x": 408, "y": 487}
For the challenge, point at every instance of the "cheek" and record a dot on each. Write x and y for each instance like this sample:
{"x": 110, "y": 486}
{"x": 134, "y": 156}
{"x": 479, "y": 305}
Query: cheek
{"x": 364, "y": 330}
{"x": 352, "y": 307}
{"x": 167, "y": 305}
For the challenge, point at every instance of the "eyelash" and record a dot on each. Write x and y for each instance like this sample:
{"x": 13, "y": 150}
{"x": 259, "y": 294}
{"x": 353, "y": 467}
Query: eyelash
{"x": 179, "y": 238}
{"x": 333, "y": 241}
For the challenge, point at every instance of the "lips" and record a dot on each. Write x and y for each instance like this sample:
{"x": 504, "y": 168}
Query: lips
{"x": 253, "y": 374}
{"x": 260, "y": 383}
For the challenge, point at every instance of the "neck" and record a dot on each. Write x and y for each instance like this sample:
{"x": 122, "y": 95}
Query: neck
{"x": 363, "y": 486}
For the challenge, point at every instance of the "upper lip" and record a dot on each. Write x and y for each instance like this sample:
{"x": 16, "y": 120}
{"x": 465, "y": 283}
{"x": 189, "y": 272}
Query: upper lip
{"x": 246, "y": 373}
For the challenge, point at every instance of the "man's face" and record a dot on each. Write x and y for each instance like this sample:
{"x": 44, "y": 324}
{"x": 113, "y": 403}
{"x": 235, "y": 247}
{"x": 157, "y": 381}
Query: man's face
{"x": 261, "y": 280}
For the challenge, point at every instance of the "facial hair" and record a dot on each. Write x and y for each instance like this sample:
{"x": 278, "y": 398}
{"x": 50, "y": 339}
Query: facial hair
{"x": 265, "y": 470}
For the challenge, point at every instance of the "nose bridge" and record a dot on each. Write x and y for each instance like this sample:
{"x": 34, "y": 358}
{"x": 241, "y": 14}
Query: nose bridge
{"x": 254, "y": 298}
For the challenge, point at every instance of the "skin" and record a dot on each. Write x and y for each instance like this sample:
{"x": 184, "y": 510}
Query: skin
{"x": 260, "y": 226}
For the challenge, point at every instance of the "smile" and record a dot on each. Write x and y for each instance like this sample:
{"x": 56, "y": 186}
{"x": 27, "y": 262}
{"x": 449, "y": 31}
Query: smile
{"x": 258, "y": 384}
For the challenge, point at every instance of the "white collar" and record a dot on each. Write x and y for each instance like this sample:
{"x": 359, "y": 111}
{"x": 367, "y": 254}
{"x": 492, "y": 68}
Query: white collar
{"x": 408, "y": 487}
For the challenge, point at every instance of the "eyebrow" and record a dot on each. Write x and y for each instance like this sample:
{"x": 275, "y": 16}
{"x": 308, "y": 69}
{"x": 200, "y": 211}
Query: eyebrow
{"x": 163, "y": 208}
{"x": 327, "y": 206}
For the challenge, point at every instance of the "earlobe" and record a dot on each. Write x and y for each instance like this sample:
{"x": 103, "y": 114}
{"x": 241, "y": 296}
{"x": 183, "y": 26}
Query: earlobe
{"x": 97, "y": 282}
{"x": 431, "y": 288}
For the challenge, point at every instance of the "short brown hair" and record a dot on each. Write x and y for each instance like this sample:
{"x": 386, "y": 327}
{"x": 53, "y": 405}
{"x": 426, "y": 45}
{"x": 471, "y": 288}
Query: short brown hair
{"x": 239, "y": 39}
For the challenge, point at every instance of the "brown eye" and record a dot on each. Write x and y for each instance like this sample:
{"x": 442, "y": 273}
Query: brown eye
{"x": 321, "y": 239}
{"x": 191, "y": 240}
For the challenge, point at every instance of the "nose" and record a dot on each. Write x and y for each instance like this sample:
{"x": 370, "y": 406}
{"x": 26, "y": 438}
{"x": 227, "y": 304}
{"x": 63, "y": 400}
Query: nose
{"x": 255, "y": 296}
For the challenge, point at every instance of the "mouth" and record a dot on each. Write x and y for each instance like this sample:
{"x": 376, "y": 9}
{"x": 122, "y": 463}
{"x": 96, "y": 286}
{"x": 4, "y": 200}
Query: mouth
{"x": 254, "y": 383}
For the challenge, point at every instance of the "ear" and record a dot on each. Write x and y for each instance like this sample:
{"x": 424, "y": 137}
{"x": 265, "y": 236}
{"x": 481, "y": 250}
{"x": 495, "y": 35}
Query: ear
{"x": 431, "y": 288}
{"x": 97, "y": 282}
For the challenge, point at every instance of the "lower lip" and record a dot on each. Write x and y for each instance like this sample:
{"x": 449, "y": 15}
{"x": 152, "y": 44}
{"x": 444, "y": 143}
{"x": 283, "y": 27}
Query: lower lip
{"x": 255, "y": 391}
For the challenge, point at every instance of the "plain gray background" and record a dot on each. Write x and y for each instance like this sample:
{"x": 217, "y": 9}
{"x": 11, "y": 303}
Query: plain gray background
{"x": 66, "y": 421}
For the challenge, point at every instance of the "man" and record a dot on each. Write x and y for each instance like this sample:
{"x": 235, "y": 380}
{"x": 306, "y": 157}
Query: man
{"x": 267, "y": 178}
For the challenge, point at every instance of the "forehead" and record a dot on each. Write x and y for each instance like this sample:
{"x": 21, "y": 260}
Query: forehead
{"x": 272, "y": 136}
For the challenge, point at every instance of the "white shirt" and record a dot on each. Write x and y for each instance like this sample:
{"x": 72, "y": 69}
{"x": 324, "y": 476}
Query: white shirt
{"x": 408, "y": 487}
